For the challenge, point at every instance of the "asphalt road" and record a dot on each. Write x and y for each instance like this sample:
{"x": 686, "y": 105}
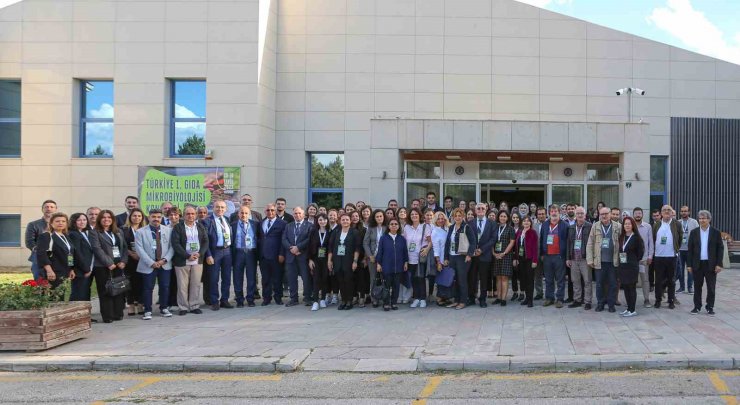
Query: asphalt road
{"x": 622, "y": 387}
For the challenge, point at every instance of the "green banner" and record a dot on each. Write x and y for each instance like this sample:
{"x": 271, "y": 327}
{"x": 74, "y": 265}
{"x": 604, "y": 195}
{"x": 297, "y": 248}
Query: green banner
{"x": 181, "y": 186}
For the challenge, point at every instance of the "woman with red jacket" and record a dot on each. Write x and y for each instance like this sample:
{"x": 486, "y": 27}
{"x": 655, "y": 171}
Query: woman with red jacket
{"x": 526, "y": 256}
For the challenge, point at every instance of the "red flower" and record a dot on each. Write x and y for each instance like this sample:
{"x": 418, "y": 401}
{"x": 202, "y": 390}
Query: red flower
{"x": 42, "y": 282}
{"x": 30, "y": 283}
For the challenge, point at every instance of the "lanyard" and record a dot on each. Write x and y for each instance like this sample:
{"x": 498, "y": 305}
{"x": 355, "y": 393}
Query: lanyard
{"x": 521, "y": 238}
{"x": 579, "y": 232}
{"x": 501, "y": 230}
{"x": 111, "y": 237}
{"x": 155, "y": 232}
{"x": 626, "y": 242}
{"x": 222, "y": 225}
{"x": 342, "y": 237}
{"x": 415, "y": 232}
{"x": 379, "y": 232}
{"x": 65, "y": 241}
{"x": 322, "y": 236}
{"x": 84, "y": 235}
{"x": 244, "y": 228}
{"x": 685, "y": 226}
{"x": 603, "y": 232}
{"x": 191, "y": 232}
{"x": 553, "y": 229}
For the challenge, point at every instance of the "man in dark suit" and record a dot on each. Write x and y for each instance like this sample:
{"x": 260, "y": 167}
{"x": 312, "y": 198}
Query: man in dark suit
{"x": 36, "y": 228}
{"x": 131, "y": 203}
{"x": 218, "y": 257}
{"x": 246, "y": 199}
{"x": 280, "y": 205}
{"x": 432, "y": 202}
{"x": 295, "y": 245}
{"x": 704, "y": 260}
{"x": 270, "y": 244}
{"x": 480, "y": 268}
{"x": 247, "y": 233}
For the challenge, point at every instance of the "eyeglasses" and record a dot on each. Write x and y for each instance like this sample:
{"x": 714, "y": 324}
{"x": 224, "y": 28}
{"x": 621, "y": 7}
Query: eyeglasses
{"x": 480, "y": 209}
{"x": 270, "y": 210}
{"x": 605, "y": 214}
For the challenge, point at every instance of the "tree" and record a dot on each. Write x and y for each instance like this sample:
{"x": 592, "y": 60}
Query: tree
{"x": 327, "y": 176}
{"x": 193, "y": 145}
{"x": 98, "y": 151}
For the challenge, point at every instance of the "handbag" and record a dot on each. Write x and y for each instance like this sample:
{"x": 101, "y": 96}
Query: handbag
{"x": 445, "y": 277}
{"x": 423, "y": 259}
{"x": 380, "y": 291}
{"x": 117, "y": 285}
{"x": 726, "y": 256}
{"x": 463, "y": 242}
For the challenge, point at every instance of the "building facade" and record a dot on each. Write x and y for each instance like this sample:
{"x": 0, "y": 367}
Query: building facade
{"x": 479, "y": 99}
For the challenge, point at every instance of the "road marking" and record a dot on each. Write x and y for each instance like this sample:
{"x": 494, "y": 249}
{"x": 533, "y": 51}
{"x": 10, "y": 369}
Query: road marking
{"x": 147, "y": 382}
{"x": 382, "y": 378}
{"x": 432, "y": 384}
{"x": 721, "y": 386}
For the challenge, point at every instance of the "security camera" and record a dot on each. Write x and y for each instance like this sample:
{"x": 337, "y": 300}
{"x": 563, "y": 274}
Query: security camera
{"x": 640, "y": 92}
{"x": 513, "y": 181}
{"x": 622, "y": 91}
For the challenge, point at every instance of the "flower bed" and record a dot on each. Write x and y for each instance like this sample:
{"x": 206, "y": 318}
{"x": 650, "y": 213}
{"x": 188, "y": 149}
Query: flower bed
{"x": 32, "y": 317}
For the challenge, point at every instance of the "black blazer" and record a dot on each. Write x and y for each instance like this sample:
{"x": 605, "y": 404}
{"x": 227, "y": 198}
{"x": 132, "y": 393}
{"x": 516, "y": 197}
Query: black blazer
{"x": 58, "y": 258}
{"x": 287, "y": 217}
{"x": 487, "y": 239}
{"x": 352, "y": 244}
{"x": 121, "y": 219}
{"x": 715, "y": 250}
{"x": 179, "y": 241}
{"x": 103, "y": 249}
{"x": 315, "y": 243}
{"x": 84, "y": 249}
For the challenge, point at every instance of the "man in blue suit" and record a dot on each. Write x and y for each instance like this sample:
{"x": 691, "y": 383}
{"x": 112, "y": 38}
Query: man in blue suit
{"x": 270, "y": 243}
{"x": 480, "y": 268}
{"x": 218, "y": 256}
{"x": 553, "y": 248}
{"x": 245, "y": 254}
{"x": 295, "y": 244}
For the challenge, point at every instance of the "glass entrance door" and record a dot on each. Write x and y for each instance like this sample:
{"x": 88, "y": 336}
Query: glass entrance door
{"x": 513, "y": 194}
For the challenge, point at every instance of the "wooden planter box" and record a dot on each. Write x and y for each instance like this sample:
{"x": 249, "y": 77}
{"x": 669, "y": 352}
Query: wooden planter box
{"x": 44, "y": 328}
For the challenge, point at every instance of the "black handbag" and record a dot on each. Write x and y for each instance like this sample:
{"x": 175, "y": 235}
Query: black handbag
{"x": 380, "y": 291}
{"x": 117, "y": 285}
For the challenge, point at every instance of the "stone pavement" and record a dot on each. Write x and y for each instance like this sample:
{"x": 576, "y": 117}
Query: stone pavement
{"x": 511, "y": 338}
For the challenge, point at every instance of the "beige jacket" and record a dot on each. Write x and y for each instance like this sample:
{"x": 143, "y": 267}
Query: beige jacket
{"x": 593, "y": 247}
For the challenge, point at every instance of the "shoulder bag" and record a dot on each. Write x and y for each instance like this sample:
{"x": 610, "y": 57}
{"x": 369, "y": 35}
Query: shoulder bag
{"x": 463, "y": 242}
{"x": 445, "y": 277}
{"x": 117, "y": 285}
{"x": 423, "y": 259}
{"x": 380, "y": 291}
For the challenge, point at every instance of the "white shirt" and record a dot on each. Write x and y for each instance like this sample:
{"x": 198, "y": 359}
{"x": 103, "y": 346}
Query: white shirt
{"x": 661, "y": 249}
{"x": 704, "y": 255}
{"x": 439, "y": 237}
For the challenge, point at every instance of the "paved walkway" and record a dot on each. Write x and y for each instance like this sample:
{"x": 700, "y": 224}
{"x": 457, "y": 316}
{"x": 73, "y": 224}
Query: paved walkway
{"x": 511, "y": 338}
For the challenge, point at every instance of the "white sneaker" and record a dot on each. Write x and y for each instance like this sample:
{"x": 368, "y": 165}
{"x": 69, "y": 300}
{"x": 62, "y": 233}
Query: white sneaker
{"x": 628, "y": 314}
{"x": 322, "y": 304}
{"x": 315, "y": 306}
{"x": 404, "y": 301}
{"x": 166, "y": 313}
{"x": 334, "y": 300}
{"x": 423, "y": 304}
{"x": 625, "y": 312}
{"x": 147, "y": 316}
{"x": 415, "y": 304}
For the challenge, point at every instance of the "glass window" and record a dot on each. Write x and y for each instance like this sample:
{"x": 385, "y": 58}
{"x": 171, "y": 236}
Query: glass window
{"x": 96, "y": 120}
{"x": 188, "y": 118}
{"x": 608, "y": 194}
{"x": 423, "y": 170}
{"x": 658, "y": 165}
{"x": 10, "y": 118}
{"x": 419, "y": 191}
{"x": 326, "y": 179}
{"x": 602, "y": 173}
{"x": 10, "y": 230}
{"x": 460, "y": 192}
{"x": 514, "y": 171}
{"x": 565, "y": 194}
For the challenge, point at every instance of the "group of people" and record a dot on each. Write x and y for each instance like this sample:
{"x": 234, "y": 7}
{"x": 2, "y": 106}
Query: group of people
{"x": 480, "y": 249}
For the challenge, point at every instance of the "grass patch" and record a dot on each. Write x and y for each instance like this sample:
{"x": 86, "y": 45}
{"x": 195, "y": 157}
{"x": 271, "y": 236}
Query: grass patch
{"x": 17, "y": 278}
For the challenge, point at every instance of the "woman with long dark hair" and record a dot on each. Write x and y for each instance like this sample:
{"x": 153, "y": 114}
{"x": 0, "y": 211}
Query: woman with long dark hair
{"x": 136, "y": 220}
{"x": 344, "y": 251}
{"x": 80, "y": 233}
{"x": 526, "y": 256}
{"x": 503, "y": 264}
{"x": 362, "y": 278}
{"x": 376, "y": 229}
{"x": 318, "y": 256}
{"x": 55, "y": 253}
{"x": 111, "y": 255}
{"x": 631, "y": 250}
{"x": 392, "y": 261}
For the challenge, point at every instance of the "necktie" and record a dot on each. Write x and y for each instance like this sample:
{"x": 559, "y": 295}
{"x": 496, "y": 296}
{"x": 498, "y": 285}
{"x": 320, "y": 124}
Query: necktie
{"x": 223, "y": 230}
{"x": 480, "y": 225}
{"x": 158, "y": 253}
{"x": 269, "y": 224}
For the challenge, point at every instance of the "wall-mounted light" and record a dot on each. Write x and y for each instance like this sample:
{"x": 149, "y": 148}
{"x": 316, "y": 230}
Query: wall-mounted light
{"x": 503, "y": 157}
{"x": 385, "y": 174}
{"x": 453, "y": 157}
{"x": 556, "y": 159}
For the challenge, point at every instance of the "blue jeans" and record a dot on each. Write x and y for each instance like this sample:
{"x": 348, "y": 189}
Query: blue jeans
{"x": 554, "y": 269}
{"x": 607, "y": 273}
{"x": 245, "y": 261}
{"x": 36, "y": 270}
{"x": 680, "y": 271}
{"x": 298, "y": 267}
{"x": 221, "y": 268}
{"x": 162, "y": 277}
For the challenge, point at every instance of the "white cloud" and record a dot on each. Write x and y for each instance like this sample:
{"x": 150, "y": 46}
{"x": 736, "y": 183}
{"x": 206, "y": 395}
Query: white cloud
{"x": 105, "y": 111}
{"x": 694, "y": 30}
{"x": 5, "y": 3}
{"x": 184, "y": 112}
{"x": 545, "y": 3}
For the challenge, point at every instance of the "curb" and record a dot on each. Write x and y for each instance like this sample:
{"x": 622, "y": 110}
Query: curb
{"x": 293, "y": 361}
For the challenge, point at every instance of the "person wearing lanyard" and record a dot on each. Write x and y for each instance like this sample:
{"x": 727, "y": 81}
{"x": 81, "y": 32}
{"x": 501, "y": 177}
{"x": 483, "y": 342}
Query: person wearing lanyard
{"x": 376, "y": 228}
{"x": 55, "y": 254}
{"x": 218, "y": 256}
{"x": 459, "y": 259}
{"x": 553, "y": 243}
{"x": 705, "y": 254}
{"x": 631, "y": 253}
{"x": 643, "y": 228}
{"x": 667, "y": 235}
{"x": 80, "y": 234}
{"x": 602, "y": 254}
{"x": 362, "y": 277}
{"x": 111, "y": 254}
{"x": 270, "y": 243}
{"x": 392, "y": 260}
{"x": 155, "y": 252}
{"x": 417, "y": 237}
{"x": 318, "y": 260}
{"x": 480, "y": 265}
{"x": 189, "y": 242}
{"x": 503, "y": 262}
{"x": 688, "y": 224}
{"x": 580, "y": 272}
{"x": 295, "y": 245}
{"x": 245, "y": 252}
{"x": 526, "y": 255}
{"x": 344, "y": 250}
{"x": 136, "y": 220}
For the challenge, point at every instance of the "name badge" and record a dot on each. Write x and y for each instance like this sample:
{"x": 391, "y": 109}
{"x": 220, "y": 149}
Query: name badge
{"x": 322, "y": 253}
{"x": 154, "y": 246}
{"x": 663, "y": 240}
{"x": 499, "y": 245}
{"x": 623, "y": 258}
{"x": 116, "y": 252}
{"x": 605, "y": 243}
{"x": 453, "y": 247}
{"x": 521, "y": 251}
{"x": 685, "y": 239}
{"x": 194, "y": 247}
{"x": 70, "y": 260}
{"x": 412, "y": 247}
{"x": 550, "y": 239}
{"x": 341, "y": 250}
{"x": 577, "y": 244}
{"x": 227, "y": 237}
{"x": 248, "y": 242}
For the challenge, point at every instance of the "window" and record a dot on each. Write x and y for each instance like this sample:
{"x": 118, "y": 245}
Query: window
{"x": 423, "y": 170}
{"x": 566, "y": 194}
{"x": 459, "y": 192}
{"x": 602, "y": 173}
{"x": 188, "y": 118}
{"x": 96, "y": 118}
{"x": 10, "y": 118}
{"x": 326, "y": 180}
{"x": 514, "y": 171}
{"x": 10, "y": 230}
{"x": 658, "y": 181}
{"x": 419, "y": 191}
{"x": 608, "y": 194}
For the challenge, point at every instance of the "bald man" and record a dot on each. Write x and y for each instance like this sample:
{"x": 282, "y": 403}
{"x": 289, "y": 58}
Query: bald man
{"x": 295, "y": 244}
